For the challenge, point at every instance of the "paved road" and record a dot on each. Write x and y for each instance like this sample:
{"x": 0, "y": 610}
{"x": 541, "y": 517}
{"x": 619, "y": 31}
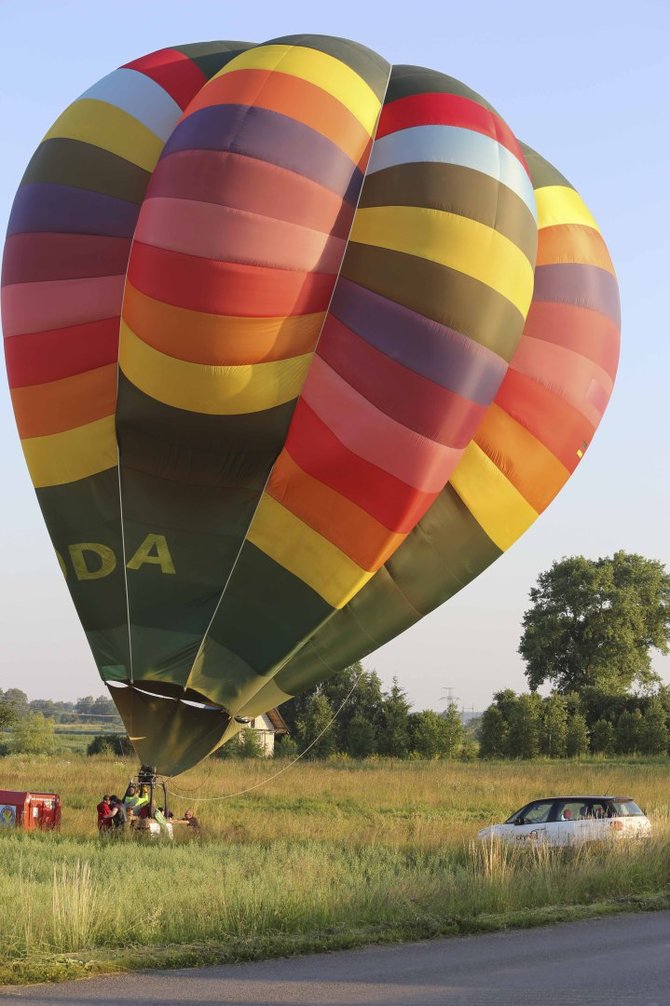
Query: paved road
{"x": 620, "y": 960}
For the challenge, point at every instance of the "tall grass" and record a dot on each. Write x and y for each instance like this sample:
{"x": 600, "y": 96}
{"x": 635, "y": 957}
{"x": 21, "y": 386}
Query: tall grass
{"x": 326, "y": 855}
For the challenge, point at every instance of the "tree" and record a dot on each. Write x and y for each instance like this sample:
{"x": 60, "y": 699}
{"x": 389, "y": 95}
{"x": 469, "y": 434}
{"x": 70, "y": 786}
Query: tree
{"x": 429, "y": 733}
{"x": 627, "y": 733}
{"x": 314, "y": 719}
{"x": 454, "y": 730}
{"x": 554, "y": 736}
{"x": 17, "y": 699}
{"x": 577, "y": 736}
{"x": 110, "y": 744}
{"x": 654, "y": 737}
{"x": 593, "y": 623}
{"x": 33, "y": 734}
{"x": 602, "y": 737}
{"x": 394, "y": 739}
{"x": 523, "y": 737}
{"x": 492, "y": 734}
{"x": 361, "y": 737}
{"x": 7, "y": 714}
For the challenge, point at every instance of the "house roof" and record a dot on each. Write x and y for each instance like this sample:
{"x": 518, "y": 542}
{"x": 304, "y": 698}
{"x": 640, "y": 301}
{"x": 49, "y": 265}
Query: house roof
{"x": 277, "y": 721}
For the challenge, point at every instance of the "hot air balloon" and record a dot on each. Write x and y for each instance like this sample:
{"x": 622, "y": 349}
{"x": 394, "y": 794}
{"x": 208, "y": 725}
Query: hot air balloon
{"x": 299, "y": 342}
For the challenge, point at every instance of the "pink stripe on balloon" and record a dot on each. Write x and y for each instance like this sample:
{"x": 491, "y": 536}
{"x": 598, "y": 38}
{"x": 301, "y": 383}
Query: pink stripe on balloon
{"x": 224, "y": 234}
{"x": 565, "y": 373}
{"x": 41, "y": 307}
{"x": 374, "y": 436}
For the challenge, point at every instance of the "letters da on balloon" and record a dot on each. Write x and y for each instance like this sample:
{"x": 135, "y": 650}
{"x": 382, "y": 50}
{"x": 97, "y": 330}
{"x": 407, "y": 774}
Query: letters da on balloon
{"x": 91, "y": 560}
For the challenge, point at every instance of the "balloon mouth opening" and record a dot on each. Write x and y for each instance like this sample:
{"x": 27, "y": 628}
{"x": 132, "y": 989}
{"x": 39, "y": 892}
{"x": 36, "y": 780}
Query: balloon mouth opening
{"x": 171, "y": 693}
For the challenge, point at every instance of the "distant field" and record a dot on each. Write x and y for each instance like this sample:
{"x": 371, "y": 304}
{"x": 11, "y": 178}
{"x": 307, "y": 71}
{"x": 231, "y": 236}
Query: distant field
{"x": 327, "y": 855}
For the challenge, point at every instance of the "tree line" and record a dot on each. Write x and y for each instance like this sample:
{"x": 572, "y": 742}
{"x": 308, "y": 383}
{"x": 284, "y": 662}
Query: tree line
{"x": 373, "y": 721}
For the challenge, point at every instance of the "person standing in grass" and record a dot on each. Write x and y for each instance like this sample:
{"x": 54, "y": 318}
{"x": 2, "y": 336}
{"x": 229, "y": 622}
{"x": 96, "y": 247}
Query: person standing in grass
{"x": 105, "y": 814}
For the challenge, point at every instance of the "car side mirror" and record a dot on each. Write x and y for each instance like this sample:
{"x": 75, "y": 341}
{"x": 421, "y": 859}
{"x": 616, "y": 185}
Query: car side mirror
{"x": 519, "y": 820}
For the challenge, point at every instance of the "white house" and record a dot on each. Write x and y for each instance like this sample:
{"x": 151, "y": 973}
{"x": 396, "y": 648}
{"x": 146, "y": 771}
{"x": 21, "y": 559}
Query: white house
{"x": 267, "y": 726}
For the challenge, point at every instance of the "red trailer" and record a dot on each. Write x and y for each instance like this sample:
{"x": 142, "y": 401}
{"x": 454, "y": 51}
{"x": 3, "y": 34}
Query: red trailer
{"x": 29, "y": 811}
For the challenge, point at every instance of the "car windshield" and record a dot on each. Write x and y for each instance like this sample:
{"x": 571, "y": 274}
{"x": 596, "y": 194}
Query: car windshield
{"x": 626, "y": 808}
{"x": 534, "y": 813}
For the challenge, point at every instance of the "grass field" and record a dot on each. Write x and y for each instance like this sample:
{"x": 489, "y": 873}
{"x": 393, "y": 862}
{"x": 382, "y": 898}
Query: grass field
{"x": 325, "y": 856}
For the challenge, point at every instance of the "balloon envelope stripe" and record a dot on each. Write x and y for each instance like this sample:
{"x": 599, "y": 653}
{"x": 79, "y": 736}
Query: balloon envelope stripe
{"x": 231, "y": 235}
{"x": 269, "y": 136}
{"x": 224, "y": 287}
{"x": 437, "y": 109}
{"x": 61, "y": 209}
{"x": 109, "y": 128}
{"x": 454, "y": 145}
{"x": 422, "y": 405}
{"x": 218, "y": 339}
{"x": 35, "y": 257}
{"x": 245, "y": 183}
{"x": 434, "y": 351}
{"x": 176, "y": 74}
{"x": 70, "y": 402}
{"x": 291, "y": 96}
{"x": 37, "y": 357}
{"x": 140, "y": 97}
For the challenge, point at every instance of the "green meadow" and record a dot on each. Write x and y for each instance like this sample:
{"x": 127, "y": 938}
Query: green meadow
{"x": 325, "y": 856}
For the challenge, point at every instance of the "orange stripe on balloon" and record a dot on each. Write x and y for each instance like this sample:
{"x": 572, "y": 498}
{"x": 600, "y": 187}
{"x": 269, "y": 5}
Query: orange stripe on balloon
{"x": 217, "y": 339}
{"x": 291, "y": 96}
{"x": 572, "y": 243}
{"x": 342, "y": 522}
{"x": 43, "y": 409}
{"x": 523, "y": 460}
{"x": 551, "y": 420}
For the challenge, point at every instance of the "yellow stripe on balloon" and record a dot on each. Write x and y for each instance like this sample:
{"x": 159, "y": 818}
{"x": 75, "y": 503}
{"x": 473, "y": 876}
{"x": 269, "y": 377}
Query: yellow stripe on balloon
{"x": 499, "y": 508}
{"x": 305, "y": 553}
{"x": 210, "y": 390}
{"x": 60, "y": 458}
{"x": 559, "y": 204}
{"x": 110, "y": 128}
{"x": 451, "y": 240}
{"x": 318, "y": 68}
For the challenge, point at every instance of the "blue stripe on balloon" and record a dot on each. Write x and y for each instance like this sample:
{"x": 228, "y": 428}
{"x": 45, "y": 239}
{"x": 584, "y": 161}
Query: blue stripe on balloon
{"x": 454, "y": 145}
{"x": 61, "y": 209}
{"x": 140, "y": 97}
{"x": 272, "y": 137}
{"x": 435, "y": 351}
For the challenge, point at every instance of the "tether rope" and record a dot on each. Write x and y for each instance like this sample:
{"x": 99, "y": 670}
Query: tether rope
{"x": 264, "y": 782}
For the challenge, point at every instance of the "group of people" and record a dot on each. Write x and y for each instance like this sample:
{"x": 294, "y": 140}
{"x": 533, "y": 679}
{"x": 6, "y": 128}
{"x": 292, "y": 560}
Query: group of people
{"x": 115, "y": 812}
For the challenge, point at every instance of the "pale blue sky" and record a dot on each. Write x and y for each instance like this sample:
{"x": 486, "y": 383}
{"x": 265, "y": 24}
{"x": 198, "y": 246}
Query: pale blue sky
{"x": 587, "y": 84}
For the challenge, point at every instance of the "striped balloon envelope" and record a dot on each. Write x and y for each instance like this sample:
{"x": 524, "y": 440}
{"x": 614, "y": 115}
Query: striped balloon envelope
{"x": 298, "y": 343}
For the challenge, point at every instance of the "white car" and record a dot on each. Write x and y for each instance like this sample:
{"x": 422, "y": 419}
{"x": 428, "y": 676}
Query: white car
{"x": 572, "y": 820}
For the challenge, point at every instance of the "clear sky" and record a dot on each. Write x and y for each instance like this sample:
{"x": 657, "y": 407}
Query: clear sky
{"x": 587, "y": 85}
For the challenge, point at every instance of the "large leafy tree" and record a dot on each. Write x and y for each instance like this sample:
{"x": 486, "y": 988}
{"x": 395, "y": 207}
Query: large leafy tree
{"x": 593, "y": 624}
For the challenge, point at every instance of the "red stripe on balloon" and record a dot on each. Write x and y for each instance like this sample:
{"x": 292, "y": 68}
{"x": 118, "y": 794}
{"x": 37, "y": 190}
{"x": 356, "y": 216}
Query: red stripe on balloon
{"x": 316, "y": 449}
{"x": 37, "y": 256}
{"x": 173, "y": 71}
{"x": 40, "y": 357}
{"x": 553, "y": 421}
{"x": 446, "y": 110}
{"x": 201, "y": 284}
{"x": 408, "y": 397}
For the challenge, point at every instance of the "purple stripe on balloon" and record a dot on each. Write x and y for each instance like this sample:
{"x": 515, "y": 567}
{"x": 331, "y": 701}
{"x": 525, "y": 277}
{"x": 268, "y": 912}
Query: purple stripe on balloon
{"x": 269, "y": 136}
{"x": 61, "y": 209}
{"x": 425, "y": 346}
{"x": 582, "y": 285}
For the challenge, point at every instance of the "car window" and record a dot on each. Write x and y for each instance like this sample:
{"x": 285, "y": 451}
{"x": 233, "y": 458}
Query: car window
{"x": 574, "y": 810}
{"x": 625, "y": 808}
{"x": 599, "y": 810}
{"x": 537, "y": 813}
